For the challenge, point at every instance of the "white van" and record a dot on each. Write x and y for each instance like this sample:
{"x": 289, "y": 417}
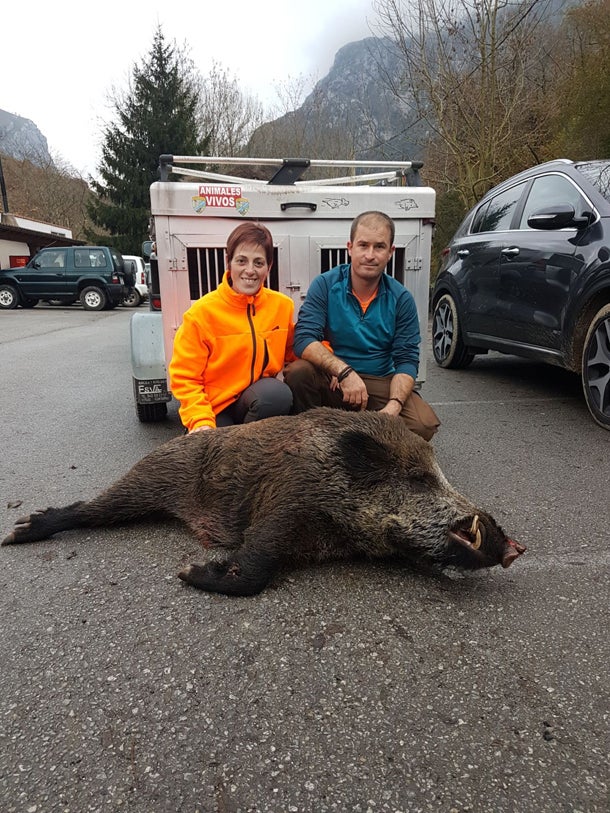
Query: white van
{"x": 139, "y": 292}
{"x": 309, "y": 221}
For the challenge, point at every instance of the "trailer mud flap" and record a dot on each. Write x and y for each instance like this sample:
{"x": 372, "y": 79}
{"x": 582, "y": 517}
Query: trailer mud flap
{"x": 148, "y": 359}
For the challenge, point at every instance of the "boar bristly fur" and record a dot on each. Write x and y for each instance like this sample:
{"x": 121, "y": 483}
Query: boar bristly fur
{"x": 326, "y": 484}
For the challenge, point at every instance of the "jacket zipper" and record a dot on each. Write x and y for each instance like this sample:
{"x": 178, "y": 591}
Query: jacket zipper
{"x": 251, "y": 313}
{"x": 265, "y": 357}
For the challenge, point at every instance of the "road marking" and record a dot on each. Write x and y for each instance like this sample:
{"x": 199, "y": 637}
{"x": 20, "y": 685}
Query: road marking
{"x": 512, "y": 401}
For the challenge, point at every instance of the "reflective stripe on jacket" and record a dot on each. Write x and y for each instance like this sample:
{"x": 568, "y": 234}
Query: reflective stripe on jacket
{"x": 226, "y": 342}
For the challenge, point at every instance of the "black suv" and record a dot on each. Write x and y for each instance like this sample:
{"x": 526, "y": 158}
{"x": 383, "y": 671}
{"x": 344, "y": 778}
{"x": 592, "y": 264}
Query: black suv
{"x": 95, "y": 275}
{"x": 528, "y": 273}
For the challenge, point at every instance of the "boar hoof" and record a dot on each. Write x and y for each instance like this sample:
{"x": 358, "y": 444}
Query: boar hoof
{"x": 223, "y": 577}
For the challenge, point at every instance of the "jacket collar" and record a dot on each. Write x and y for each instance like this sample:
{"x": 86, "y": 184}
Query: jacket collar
{"x": 236, "y": 300}
{"x": 346, "y": 271}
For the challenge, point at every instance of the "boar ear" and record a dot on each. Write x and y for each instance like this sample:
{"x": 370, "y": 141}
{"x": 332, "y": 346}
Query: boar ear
{"x": 367, "y": 461}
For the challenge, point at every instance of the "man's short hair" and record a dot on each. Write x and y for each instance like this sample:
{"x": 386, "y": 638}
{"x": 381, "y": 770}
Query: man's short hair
{"x": 373, "y": 217}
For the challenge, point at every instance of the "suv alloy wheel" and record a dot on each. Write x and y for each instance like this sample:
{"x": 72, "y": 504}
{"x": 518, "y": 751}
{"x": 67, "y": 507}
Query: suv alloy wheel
{"x": 596, "y": 367}
{"x": 447, "y": 345}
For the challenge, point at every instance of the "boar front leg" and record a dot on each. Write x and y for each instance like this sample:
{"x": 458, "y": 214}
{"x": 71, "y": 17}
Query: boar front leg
{"x": 250, "y": 567}
{"x": 244, "y": 574}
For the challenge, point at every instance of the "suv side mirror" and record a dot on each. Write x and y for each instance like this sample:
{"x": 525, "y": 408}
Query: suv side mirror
{"x": 559, "y": 216}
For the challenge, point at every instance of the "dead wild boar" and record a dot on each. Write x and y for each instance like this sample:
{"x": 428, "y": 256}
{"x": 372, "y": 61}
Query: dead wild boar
{"x": 325, "y": 484}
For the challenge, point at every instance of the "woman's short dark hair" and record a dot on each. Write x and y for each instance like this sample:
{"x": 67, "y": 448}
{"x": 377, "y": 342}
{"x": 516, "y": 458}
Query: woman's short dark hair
{"x": 253, "y": 233}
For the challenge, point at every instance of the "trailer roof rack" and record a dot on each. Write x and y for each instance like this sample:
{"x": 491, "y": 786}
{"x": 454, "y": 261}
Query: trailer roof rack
{"x": 290, "y": 170}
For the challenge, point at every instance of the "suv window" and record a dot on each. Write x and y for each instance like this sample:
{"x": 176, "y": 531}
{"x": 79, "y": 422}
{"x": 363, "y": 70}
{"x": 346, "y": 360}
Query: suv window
{"x": 117, "y": 260}
{"x": 497, "y": 214}
{"x": 550, "y": 189}
{"x": 54, "y": 258}
{"x": 598, "y": 173}
{"x": 89, "y": 258}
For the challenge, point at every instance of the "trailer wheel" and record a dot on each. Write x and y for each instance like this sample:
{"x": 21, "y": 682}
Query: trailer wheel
{"x": 151, "y": 413}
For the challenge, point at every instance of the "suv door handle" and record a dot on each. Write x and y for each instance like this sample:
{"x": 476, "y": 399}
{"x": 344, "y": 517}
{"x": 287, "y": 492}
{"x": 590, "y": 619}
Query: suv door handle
{"x": 510, "y": 252}
{"x": 463, "y": 252}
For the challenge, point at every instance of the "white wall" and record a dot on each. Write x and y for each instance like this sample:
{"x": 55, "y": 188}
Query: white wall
{"x": 10, "y": 247}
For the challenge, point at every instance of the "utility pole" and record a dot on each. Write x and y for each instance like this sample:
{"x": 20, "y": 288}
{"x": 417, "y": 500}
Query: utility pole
{"x": 3, "y": 189}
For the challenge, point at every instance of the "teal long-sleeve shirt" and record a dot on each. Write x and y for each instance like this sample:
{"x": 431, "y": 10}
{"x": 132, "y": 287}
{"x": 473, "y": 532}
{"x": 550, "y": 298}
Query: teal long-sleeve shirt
{"x": 381, "y": 341}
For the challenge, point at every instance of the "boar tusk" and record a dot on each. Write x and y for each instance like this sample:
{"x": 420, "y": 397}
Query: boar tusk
{"x": 476, "y": 532}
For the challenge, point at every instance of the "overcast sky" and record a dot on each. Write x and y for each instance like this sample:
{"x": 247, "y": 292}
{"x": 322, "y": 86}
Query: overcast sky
{"x": 61, "y": 60}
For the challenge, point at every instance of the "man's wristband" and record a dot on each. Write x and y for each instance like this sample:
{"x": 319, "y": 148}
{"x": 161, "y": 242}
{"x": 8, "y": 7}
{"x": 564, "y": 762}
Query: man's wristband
{"x": 344, "y": 373}
{"x": 402, "y": 403}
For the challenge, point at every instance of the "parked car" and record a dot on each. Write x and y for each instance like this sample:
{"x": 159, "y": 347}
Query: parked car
{"x": 528, "y": 273}
{"x": 138, "y": 290}
{"x": 92, "y": 274}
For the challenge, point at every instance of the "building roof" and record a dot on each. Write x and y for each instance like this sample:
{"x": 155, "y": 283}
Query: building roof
{"x": 35, "y": 240}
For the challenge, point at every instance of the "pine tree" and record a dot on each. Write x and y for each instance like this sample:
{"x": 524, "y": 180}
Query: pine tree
{"x": 158, "y": 115}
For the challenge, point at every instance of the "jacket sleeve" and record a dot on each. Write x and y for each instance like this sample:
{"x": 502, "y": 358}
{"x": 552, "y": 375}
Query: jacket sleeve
{"x": 311, "y": 322}
{"x": 405, "y": 347}
{"x": 187, "y": 370}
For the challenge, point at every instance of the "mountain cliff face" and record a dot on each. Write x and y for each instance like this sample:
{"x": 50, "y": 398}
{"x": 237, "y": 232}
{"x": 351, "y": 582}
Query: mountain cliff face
{"x": 21, "y": 139}
{"x": 351, "y": 112}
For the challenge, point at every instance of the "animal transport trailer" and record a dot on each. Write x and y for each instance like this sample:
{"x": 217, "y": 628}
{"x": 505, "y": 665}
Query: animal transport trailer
{"x": 308, "y": 219}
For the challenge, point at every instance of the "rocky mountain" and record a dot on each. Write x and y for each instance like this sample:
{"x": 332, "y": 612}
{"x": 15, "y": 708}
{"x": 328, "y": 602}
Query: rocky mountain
{"x": 351, "y": 112}
{"x": 21, "y": 139}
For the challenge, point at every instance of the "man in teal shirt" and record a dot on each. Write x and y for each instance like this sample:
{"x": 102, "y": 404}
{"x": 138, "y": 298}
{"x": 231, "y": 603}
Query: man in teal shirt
{"x": 370, "y": 322}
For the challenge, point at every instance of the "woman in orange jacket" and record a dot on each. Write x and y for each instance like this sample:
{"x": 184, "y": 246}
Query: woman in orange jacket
{"x": 234, "y": 341}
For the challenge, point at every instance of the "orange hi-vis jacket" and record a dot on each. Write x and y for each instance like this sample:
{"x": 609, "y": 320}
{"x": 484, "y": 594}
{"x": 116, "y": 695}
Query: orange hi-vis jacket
{"x": 225, "y": 343}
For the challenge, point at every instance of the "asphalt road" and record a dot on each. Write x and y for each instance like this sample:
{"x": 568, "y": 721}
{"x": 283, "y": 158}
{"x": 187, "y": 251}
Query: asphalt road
{"x": 354, "y": 687}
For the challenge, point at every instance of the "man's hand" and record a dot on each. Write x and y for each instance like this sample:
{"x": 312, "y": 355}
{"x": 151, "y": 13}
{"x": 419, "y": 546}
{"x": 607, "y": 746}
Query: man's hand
{"x": 352, "y": 386}
{"x": 392, "y": 408}
{"x": 353, "y": 390}
{"x": 199, "y": 429}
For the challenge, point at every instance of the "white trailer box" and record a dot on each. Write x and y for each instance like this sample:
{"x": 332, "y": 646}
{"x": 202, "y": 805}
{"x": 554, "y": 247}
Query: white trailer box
{"x": 309, "y": 221}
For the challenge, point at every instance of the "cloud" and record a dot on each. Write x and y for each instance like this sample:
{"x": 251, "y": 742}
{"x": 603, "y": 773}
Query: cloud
{"x": 63, "y": 76}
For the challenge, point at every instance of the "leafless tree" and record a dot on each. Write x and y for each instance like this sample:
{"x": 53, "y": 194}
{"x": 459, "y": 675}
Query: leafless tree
{"x": 301, "y": 126}
{"x": 229, "y": 115}
{"x": 475, "y": 73}
{"x": 582, "y": 93}
{"x": 50, "y": 191}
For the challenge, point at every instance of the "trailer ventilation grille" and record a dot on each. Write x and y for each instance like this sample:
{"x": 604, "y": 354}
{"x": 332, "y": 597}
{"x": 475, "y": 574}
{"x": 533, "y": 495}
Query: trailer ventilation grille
{"x": 206, "y": 267}
{"x": 330, "y": 257}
